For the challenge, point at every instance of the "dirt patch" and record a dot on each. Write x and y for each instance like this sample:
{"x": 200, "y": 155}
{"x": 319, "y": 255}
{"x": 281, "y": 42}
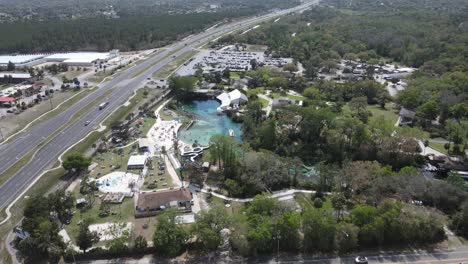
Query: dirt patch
{"x": 145, "y": 227}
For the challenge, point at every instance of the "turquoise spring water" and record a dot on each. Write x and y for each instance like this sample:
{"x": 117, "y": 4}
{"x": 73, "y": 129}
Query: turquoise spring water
{"x": 208, "y": 123}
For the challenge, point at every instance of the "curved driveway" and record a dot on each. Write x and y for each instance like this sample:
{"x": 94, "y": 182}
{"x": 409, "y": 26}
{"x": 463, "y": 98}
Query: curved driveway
{"x": 122, "y": 86}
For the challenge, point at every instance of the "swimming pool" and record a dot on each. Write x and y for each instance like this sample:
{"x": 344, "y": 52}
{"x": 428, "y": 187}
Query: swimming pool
{"x": 117, "y": 181}
{"x": 208, "y": 123}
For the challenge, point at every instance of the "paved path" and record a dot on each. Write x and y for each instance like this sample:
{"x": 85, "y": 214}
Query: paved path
{"x": 278, "y": 194}
{"x": 428, "y": 150}
{"x": 270, "y": 103}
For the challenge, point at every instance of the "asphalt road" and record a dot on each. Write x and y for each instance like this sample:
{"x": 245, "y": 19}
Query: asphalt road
{"x": 122, "y": 86}
{"x": 457, "y": 256}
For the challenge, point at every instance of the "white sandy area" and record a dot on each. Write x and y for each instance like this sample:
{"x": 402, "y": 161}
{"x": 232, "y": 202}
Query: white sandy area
{"x": 109, "y": 231}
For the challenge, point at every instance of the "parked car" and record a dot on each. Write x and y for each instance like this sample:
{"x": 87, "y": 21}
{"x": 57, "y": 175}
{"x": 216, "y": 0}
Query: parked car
{"x": 360, "y": 260}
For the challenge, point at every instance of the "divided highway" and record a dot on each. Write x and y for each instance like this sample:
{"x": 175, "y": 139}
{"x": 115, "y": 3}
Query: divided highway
{"x": 121, "y": 87}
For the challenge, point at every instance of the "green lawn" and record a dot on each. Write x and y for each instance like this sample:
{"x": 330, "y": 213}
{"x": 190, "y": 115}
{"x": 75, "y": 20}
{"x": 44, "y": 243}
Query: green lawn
{"x": 255, "y": 91}
{"x": 439, "y": 147}
{"x": 234, "y": 75}
{"x": 388, "y": 113}
{"x": 119, "y": 213}
{"x": 306, "y": 202}
{"x": 290, "y": 96}
{"x": 148, "y": 123}
{"x": 235, "y": 207}
{"x": 264, "y": 102}
{"x": 110, "y": 161}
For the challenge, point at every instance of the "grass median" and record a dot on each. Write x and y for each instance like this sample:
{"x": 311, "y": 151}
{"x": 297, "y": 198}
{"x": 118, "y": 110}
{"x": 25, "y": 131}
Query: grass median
{"x": 173, "y": 65}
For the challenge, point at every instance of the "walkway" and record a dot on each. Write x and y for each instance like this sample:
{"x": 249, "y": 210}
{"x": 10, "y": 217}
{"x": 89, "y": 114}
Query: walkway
{"x": 278, "y": 194}
{"x": 428, "y": 150}
{"x": 270, "y": 103}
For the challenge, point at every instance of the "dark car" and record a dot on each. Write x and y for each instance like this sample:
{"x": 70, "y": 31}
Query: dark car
{"x": 361, "y": 260}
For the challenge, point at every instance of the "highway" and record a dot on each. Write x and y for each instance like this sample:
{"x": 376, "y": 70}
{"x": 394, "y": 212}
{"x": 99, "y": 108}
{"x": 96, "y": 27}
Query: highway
{"x": 121, "y": 86}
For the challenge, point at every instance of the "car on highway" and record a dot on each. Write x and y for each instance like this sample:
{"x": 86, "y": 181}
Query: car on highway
{"x": 87, "y": 123}
{"x": 360, "y": 260}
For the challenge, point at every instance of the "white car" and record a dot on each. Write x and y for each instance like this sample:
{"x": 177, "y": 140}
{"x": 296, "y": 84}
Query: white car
{"x": 360, "y": 260}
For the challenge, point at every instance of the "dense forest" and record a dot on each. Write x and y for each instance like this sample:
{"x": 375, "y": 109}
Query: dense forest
{"x": 426, "y": 36}
{"x": 41, "y": 10}
{"x": 70, "y": 26}
{"x": 102, "y": 34}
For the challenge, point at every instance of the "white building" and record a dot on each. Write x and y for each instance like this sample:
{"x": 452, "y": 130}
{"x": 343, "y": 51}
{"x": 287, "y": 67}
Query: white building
{"x": 70, "y": 58}
{"x": 231, "y": 99}
{"x": 21, "y": 61}
{"x": 82, "y": 58}
{"x": 137, "y": 162}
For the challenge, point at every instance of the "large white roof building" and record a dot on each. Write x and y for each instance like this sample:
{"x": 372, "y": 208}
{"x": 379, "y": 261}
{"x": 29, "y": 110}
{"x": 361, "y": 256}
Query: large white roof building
{"x": 71, "y": 58}
{"x": 21, "y": 60}
{"x": 234, "y": 98}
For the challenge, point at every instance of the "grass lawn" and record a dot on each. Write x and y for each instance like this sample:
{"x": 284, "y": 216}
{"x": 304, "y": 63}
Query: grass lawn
{"x": 110, "y": 161}
{"x": 148, "y": 123}
{"x": 264, "y": 102}
{"x": 235, "y": 75}
{"x": 173, "y": 65}
{"x": 166, "y": 115}
{"x": 439, "y": 147}
{"x": 119, "y": 213}
{"x": 290, "y": 96}
{"x": 235, "y": 207}
{"x": 255, "y": 91}
{"x": 388, "y": 113}
{"x": 305, "y": 201}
